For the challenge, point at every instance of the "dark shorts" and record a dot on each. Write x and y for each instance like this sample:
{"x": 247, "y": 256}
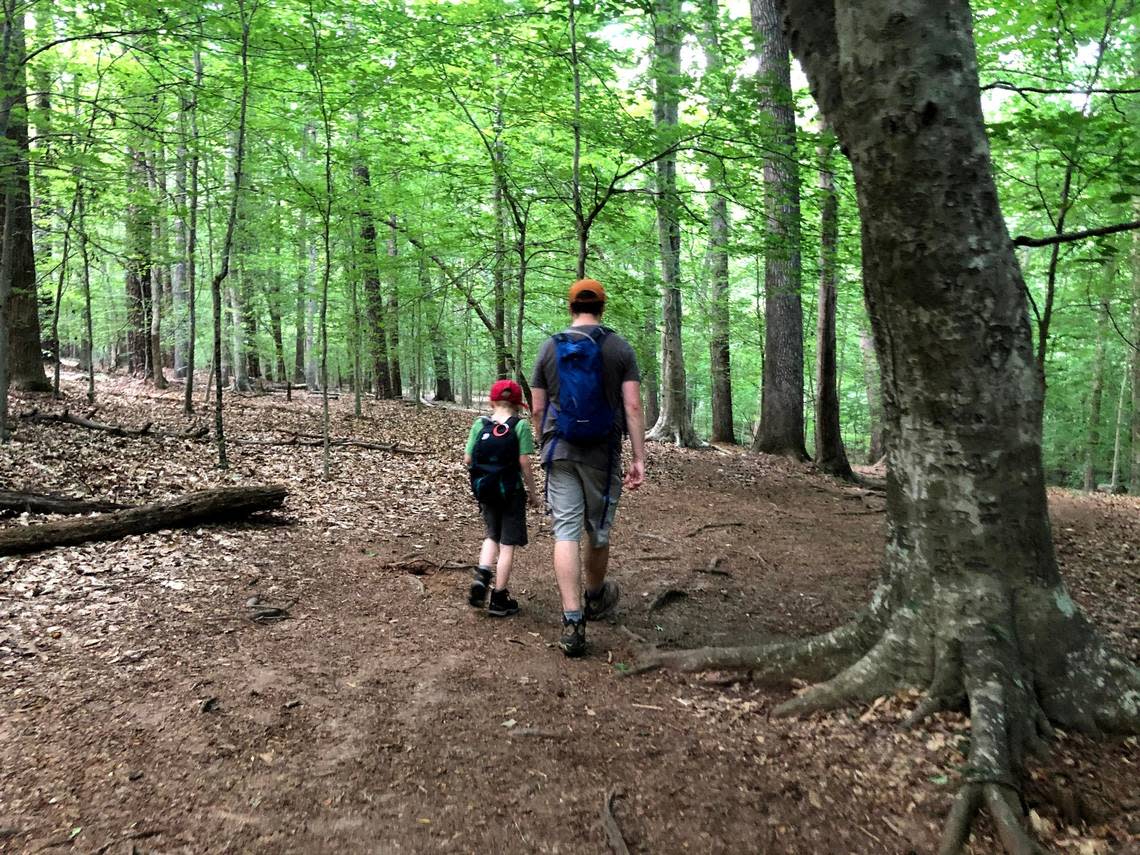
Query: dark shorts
{"x": 506, "y": 524}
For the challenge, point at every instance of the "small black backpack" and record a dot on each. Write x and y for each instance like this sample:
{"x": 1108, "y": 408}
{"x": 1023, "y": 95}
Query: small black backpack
{"x": 495, "y": 472}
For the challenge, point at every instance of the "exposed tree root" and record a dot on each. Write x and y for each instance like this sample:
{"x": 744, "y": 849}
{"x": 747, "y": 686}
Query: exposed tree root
{"x": 809, "y": 658}
{"x": 1020, "y": 661}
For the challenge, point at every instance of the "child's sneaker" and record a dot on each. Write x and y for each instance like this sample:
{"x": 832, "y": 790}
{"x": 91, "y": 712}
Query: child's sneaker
{"x": 502, "y": 604}
{"x": 477, "y": 596}
{"x": 602, "y": 603}
{"x": 573, "y": 641}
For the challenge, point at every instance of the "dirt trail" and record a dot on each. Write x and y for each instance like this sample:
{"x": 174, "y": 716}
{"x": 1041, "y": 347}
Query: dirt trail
{"x": 141, "y": 709}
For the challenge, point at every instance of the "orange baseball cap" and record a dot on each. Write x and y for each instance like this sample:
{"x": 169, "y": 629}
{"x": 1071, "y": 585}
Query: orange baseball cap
{"x": 587, "y": 289}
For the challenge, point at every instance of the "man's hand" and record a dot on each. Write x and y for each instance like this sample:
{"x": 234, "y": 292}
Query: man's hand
{"x": 635, "y": 476}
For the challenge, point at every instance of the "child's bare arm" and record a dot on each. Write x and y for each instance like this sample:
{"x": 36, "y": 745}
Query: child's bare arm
{"x": 528, "y": 479}
{"x": 466, "y": 459}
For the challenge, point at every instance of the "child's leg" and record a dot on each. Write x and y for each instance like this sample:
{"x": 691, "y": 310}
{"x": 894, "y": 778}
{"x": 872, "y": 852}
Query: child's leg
{"x": 488, "y": 552}
{"x": 503, "y": 568}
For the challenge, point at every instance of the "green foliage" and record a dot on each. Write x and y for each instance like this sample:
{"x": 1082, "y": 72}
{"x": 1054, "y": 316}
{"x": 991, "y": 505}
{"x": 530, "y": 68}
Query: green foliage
{"x": 444, "y": 100}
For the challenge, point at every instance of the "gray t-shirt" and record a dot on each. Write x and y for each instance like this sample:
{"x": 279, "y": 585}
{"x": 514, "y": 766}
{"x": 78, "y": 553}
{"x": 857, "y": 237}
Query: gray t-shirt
{"x": 619, "y": 364}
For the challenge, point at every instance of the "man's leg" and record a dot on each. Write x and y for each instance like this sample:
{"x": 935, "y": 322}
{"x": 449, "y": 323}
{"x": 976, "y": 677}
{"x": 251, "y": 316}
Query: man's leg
{"x": 567, "y": 571}
{"x": 596, "y": 559}
{"x": 601, "y": 506}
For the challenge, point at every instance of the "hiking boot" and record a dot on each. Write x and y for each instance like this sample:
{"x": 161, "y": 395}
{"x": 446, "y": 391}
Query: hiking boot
{"x": 573, "y": 640}
{"x": 477, "y": 596}
{"x": 502, "y": 604}
{"x": 601, "y": 604}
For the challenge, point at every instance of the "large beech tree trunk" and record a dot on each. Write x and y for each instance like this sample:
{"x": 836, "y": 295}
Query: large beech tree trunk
{"x": 674, "y": 422}
{"x": 830, "y": 455}
{"x": 782, "y": 391}
{"x": 971, "y": 605}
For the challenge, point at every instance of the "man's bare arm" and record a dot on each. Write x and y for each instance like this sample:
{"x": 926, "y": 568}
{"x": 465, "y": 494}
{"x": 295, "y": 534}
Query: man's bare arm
{"x": 635, "y": 424}
{"x": 537, "y": 410}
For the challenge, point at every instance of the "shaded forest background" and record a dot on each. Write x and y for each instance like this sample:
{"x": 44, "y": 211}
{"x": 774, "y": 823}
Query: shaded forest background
{"x": 390, "y": 199}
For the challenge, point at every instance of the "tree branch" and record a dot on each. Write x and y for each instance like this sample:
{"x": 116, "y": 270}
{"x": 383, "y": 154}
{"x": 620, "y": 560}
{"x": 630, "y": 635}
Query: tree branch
{"x": 1068, "y": 237}
{"x": 1044, "y": 90}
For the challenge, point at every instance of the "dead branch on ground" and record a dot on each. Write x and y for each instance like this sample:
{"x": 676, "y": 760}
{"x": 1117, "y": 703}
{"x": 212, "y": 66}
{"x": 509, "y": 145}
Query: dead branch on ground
{"x": 222, "y": 504}
{"x": 14, "y": 502}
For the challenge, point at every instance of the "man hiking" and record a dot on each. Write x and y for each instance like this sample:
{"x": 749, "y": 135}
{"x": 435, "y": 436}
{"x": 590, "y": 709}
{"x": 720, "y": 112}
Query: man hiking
{"x": 586, "y": 394}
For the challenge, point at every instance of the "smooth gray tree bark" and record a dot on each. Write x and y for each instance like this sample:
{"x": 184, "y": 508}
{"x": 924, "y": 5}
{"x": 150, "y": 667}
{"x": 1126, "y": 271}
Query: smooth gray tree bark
{"x": 781, "y": 428}
{"x": 717, "y": 86}
{"x": 971, "y": 605}
{"x": 674, "y": 422}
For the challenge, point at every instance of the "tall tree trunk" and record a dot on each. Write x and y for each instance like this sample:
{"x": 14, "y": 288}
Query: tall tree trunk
{"x": 830, "y": 455}
{"x": 315, "y": 69}
{"x": 275, "y": 328}
{"x": 373, "y": 293}
{"x": 782, "y": 391}
{"x": 971, "y": 605}
{"x": 178, "y": 273}
{"x": 192, "y": 245}
{"x": 1092, "y": 434}
{"x": 1125, "y": 375}
{"x": 237, "y": 336}
{"x": 392, "y": 323}
{"x": 25, "y": 349}
{"x": 249, "y": 323}
{"x": 1134, "y": 467}
{"x": 157, "y": 263}
{"x": 439, "y": 363}
{"x": 228, "y": 244}
{"x": 720, "y": 367}
{"x": 499, "y": 274}
{"x": 138, "y": 235}
{"x": 876, "y": 447}
{"x": 651, "y": 342}
{"x": 581, "y": 227}
{"x": 674, "y": 423}
{"x": 88, "y": 320}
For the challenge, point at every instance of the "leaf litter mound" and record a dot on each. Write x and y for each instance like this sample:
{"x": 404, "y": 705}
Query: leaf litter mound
{"x": 317, "y": 680}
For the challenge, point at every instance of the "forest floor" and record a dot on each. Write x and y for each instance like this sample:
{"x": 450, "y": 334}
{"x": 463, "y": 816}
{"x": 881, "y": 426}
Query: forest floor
{"x": 142, "y": 710}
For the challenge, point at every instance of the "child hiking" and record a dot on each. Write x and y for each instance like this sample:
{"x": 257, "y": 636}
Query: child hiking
{"x": 498, "y": 458}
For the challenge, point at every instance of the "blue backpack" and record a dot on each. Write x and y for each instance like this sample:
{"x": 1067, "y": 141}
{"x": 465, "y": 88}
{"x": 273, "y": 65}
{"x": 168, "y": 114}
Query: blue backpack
{"x": 584, "y": 416}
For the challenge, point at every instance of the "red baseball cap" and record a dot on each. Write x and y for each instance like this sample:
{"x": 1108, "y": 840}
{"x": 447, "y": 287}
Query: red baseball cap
{"x": 507, "y": 390}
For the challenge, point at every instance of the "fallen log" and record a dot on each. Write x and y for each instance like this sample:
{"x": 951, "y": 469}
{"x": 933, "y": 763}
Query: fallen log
{"x": 204, "y": 506}
{"x": 69, "y": 418}
{"x": 43, "y": 503}
{"x": 310, "y": 441}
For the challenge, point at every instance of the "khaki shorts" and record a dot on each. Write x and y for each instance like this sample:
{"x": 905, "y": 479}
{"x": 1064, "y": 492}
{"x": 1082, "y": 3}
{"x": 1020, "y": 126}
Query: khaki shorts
{"x": 576, "y": 494}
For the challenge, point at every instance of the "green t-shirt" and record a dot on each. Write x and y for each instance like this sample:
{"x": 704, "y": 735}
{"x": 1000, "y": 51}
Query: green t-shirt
{"x": 522, "y": 431}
